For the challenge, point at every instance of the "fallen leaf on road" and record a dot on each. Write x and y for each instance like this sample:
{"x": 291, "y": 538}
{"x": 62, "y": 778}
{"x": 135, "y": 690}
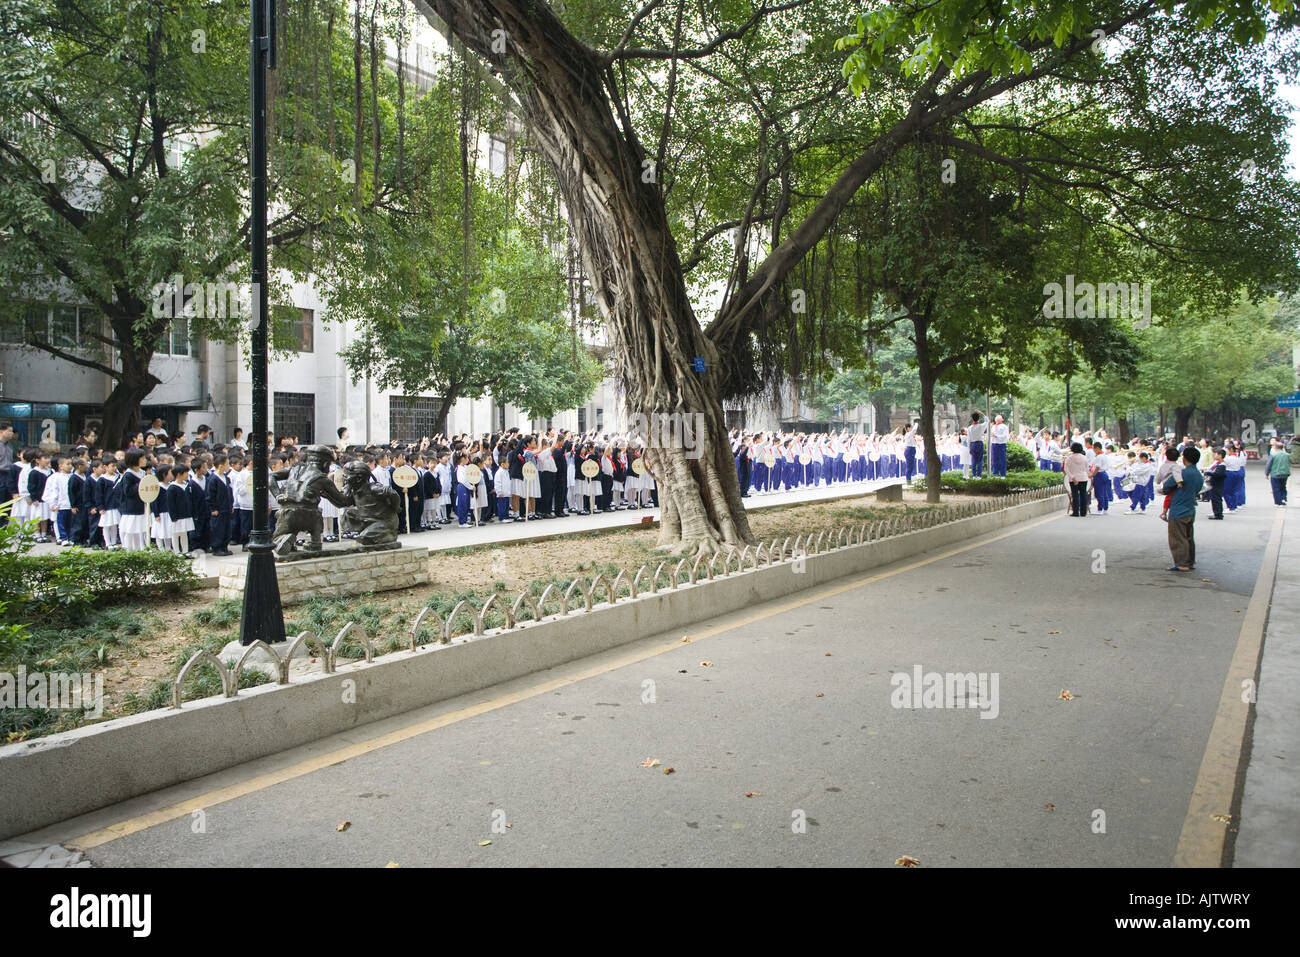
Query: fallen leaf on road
{"x": 706, "y": 664}
{"x": 650, "y": 763}
{"x": 509, "y": 825}
{"x": 1066, "y": 696}
{"x": 669, "y": 770}
{"x": 752, "y": 794}
{"x": 1053, "y": 632}
{"x": 829, "y": 655}
{"x": 484, "y": 843}
{"x": 1221, "y": 818}
{"x": 392, "y": 864}
{"x": 1173, "y": 629}
{"x": 686, "y": 637}
{"x": 820, "y": 695}
{"x": 344, "y": 826}
{"x": 906, "y": 861}
{"x": 1050, "y": 807}
{"x": 682, "y": 672}
{"x": 1207, "y": 580}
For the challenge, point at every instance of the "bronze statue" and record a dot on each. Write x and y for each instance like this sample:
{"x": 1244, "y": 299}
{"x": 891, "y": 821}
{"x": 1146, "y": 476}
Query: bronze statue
{"x": 373, "y": 519}
{"x": 300, "y": 491}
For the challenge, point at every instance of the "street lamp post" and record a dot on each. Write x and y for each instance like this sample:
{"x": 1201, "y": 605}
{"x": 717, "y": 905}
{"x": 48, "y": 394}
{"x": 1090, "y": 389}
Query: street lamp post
{"x": 263, "y": 618}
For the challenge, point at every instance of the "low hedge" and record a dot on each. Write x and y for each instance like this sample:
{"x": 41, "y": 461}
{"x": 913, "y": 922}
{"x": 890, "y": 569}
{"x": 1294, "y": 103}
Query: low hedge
{"x": 83, "y": 577}
{"x": 1018, "y": 481}
{"x": 1020, "y": 459}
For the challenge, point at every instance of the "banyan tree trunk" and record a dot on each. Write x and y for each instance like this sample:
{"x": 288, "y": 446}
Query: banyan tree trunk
{"x": 615, "y": 206}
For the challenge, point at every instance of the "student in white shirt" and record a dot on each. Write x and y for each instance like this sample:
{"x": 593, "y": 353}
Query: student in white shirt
{"x": 975, "y": 438}
{"x": 998, "y": 445}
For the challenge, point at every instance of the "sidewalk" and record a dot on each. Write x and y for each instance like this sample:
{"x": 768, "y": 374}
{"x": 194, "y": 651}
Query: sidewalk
{"x": 1270, "y": 832}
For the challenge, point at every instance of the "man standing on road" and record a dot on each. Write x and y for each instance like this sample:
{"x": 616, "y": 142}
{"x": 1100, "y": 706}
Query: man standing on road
{"x": 1186, "y": 487}
{"x": 1278, "y": 470}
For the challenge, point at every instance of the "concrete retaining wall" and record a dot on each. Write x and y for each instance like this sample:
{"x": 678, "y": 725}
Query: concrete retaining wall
{"x": 63, "y": 775}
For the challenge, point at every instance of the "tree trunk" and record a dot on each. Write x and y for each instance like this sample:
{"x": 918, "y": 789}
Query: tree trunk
{"x": 1121, "y": 422}
{"x": 358, "y": 159}
{"x": 1182, "y": 420}
{"x": 613, "y": 202}
{"x": 122, "y": 417}
{"x": 933, "y": 467}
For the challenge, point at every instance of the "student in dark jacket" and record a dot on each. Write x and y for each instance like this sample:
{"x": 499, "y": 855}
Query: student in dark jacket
{"x": 134, "y": 525}
{"x": 1215, "y": 477}
{"x": 180, "y": 511}
{"x": 197, "y": 490}
{"x": 220, "y": 506}
{"x": 428, "y": 491}
{"x": 80, "y": 499}
{"x": 40, "y": 509}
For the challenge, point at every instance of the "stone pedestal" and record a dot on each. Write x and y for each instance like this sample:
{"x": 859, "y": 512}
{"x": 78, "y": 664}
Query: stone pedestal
{"x": 351, "y": 574}
{"x": 890, "y": 493}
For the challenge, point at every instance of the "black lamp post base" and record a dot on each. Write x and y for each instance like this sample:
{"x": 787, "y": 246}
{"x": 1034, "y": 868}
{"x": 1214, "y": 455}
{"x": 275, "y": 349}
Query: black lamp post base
{"x": 263, "y": 618}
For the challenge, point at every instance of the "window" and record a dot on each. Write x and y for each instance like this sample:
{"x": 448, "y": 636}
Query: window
{"x": 181, "y": 337}
{"x": 411, "y": 418}
{"x": 600, "y": 419}
{"x": 175, "y": 340}
{"x": 36, "y": 323}
{"x": 303, "y": 330}
{"x": 582, "y": 420}
{"x": 11, "y": 327}
{"x": 295, "y": 416}
{"x": 497, "y": 155}
{"x": 63, "y": 330}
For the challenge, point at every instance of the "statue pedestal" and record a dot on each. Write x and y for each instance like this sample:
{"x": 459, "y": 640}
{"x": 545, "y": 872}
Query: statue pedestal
{"x": 332, "y": 575}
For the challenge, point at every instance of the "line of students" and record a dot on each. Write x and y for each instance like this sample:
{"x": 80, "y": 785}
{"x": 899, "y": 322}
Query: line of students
{"x": 1099, "y": 470}
{"x": 95, "y": 503}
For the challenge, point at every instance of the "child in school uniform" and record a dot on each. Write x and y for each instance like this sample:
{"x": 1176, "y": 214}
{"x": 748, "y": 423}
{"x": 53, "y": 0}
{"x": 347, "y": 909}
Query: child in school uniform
{"x": 1101, "y": 482}
{"x": 160, "y": 520}
{"x": 81, "y": 492}
{"x": 56, "y": 494}
{"x": 1139, "y": 481}
{"x": 38, "y": 505}
{"x": 95, "y": 504}
{"x": 501, "y": 483}
{"x": 242, "y": 495}
{"x": 110, "y": 498}
{"x": 220, "y": 505}
{"x": 180, "y": 512}
{"x": 196, "y": 487}
{"x": 134, "y": 524}
{"x": 464, "y": 490}
{"x": 429, "y": 491}
{"x": 447, "y": 484}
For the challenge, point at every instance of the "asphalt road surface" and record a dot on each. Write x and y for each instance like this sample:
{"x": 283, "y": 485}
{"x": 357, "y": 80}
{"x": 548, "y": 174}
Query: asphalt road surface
{"x": 787, "y": 748}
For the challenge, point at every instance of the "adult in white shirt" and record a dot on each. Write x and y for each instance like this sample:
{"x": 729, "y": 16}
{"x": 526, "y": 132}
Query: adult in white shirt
{"x": 1234, "y": 480}
{"x": 975, "y": 436}
{"x": 998, "y": 446}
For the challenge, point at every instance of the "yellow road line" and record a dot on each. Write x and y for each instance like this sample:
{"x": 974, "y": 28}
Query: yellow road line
{"x": 1202, "y": 840}
{"x": 261, "y": 781}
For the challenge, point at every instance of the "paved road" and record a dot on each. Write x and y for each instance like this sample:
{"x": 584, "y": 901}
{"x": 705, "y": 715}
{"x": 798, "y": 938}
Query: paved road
{"x": 796, "y": 710}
